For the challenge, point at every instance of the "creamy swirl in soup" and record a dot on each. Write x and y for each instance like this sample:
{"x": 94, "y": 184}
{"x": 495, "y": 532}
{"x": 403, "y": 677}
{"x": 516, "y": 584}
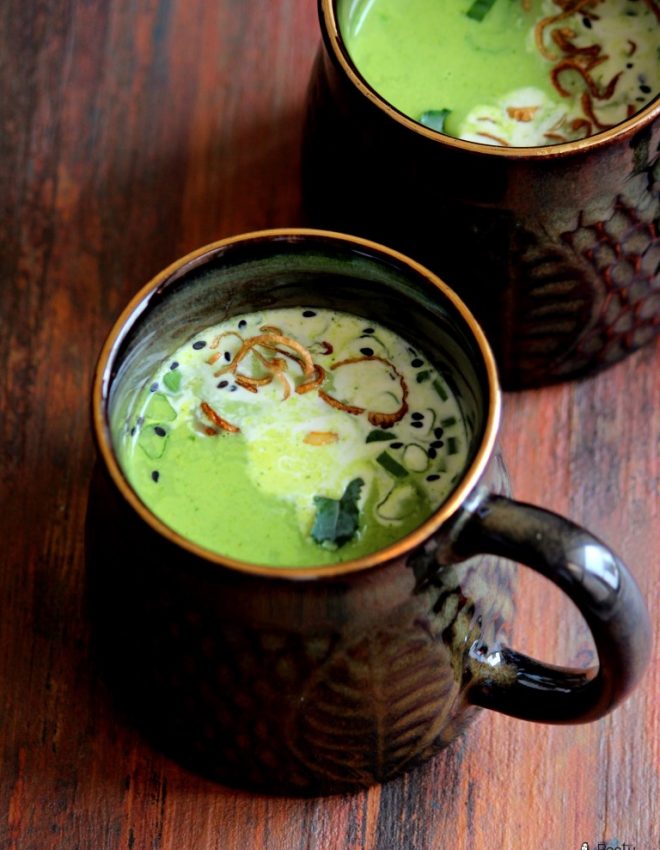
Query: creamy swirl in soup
{"x": 294, "y": 437}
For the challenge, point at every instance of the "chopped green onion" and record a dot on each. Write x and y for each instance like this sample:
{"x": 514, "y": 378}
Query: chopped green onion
{"x": 378, "y": 436}
{"x": 159, "y": 409}
{"x": 392, "y": 466}
{"x": 152, "y": 440}
{"x": 422, "y": 376}
{"x": 172, "y": 381}
{"x": 479, "y": 9}
{"x": 452, "y": 446}
{"x": 448, "y": 421}
{"x": 415, "y": 458}
{"x": 435, "y": 119}
{"x": 438, "y": 386}
{"x": 402, "y": 501}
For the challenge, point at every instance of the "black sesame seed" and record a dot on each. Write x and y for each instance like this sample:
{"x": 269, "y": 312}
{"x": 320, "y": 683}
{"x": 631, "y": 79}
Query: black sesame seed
{"x": 233, "y": 388}
{"x": 417, "y": 415}
{"x": 155, "y": 475}
{"x": 367, "y": 351}
{"x": 174, "y": 365}
{"x": 629, "y": 65}
{"x": 417, "y": 424}
{"x": 432, "y": 477}
{"x": 438, "y": 432}
{"x": 153, "y": 387}
{"x": 396, "y": 445}
{"x": 432, "y": 454}
{"x": 417, "y": 363}
{"x": 367, "y": 330}
{"x": 437, "y": 444}
{"x": 223, "y": 384}
{"x": 242, "y": 324}
{"x": 158, "y": 429}
{"x": 308, "y": 314}
{"x": 199, "y": 344}
{"x": 587, "y": 23}
{"x": 644, "y": 88}
{"x": 132, "y": 431}
{"x": 227, "y": 356}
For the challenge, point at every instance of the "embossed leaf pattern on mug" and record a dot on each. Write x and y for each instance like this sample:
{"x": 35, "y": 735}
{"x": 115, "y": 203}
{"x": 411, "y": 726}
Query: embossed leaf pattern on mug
{"x": 378, "y": 704}
{"x": 610, "y": 248}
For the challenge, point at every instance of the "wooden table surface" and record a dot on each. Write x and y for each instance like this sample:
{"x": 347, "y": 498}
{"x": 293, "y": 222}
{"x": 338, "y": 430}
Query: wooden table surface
{"x": 130, "y": 133}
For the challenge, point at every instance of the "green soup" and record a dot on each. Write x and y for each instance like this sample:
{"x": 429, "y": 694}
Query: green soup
{"x": 508, "y": 72}
{"x": 294, "y": 437}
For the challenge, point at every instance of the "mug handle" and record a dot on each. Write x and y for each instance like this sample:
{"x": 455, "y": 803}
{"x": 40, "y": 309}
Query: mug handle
{"x": 597, "y": 582}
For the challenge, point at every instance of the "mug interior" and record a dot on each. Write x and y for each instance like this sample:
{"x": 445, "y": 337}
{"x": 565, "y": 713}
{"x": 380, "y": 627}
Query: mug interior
{"x": 332, "y": 19}
{"x": 299, "y": 269}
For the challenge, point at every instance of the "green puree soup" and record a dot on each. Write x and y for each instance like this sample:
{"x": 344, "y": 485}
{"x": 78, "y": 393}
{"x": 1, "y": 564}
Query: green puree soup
{"x": 294, "y": 437}
{"x": 508, "y": 72}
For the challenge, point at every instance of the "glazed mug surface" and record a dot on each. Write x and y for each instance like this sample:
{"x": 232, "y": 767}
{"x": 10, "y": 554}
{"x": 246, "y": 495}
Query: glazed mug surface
{"x": 329, "y": 678}
{"x": 555, "y": 249}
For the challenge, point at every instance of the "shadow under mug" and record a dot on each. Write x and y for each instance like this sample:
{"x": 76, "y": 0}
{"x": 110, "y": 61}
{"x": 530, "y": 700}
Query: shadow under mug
{"x": 555, "y": 249}
{"x": 325, "y": 679}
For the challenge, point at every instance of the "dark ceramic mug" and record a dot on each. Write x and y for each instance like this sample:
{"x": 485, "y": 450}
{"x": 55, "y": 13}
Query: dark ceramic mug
{"x": 323, "y": 679}
{"x": 555, "y": 249}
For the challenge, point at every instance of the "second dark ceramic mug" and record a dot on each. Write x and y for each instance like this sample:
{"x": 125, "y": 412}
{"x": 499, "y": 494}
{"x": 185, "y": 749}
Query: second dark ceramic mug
{"x": 324, "y": 679}
{"x": 555, "y": 249}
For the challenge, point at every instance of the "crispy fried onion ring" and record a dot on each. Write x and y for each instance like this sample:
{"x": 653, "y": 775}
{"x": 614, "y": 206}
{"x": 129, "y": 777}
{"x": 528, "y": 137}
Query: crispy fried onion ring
{"x": 217, "y": 420}
{"x": 581, "y": 60}
{"x": 376, "y": 418}
{"x": 568, "y": 7}
{"x": 215, "y": 342}
{"x": 274, "y": 341}
{"x": 588, "y": 108}
{"x": 573, "y": 65}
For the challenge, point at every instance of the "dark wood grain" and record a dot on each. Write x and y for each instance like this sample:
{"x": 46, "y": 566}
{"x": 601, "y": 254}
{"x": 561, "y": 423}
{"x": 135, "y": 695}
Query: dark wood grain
{"x": 130, "y": 133}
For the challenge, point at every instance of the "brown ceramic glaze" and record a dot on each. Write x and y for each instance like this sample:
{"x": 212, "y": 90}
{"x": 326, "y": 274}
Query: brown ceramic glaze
{"x": 555, "y": 249}
{"x": 325, "y": 679}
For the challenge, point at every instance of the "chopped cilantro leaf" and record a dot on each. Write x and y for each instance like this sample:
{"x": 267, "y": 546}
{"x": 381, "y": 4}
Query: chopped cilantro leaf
{"x": 337, "y": 519}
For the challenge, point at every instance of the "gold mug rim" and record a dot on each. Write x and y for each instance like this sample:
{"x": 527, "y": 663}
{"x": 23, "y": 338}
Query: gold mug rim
{"x": 404, "y": 545}
{"x": 333, "y": 37}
